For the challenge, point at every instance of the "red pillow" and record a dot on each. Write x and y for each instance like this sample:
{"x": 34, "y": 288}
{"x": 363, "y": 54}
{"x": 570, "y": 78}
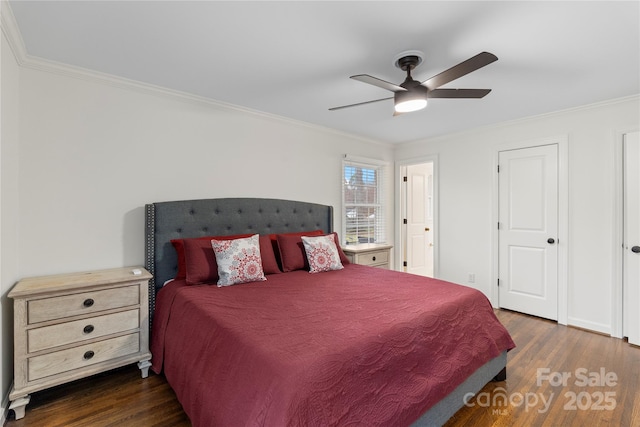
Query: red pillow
{"x": 343, "y": 258}
{"x": 269, "y": 262}
{"x": 292, "y": 255}
{"x": 276, "y": 248}
{"x": 178, "y": 245}
{"x": 200, "y": 260}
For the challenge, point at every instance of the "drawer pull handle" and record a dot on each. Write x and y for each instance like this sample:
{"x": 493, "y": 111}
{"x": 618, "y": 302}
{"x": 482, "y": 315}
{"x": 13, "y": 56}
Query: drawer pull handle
{"x": 88, "y": 355}
{"x": 374, "y": 258}
{"x": 88, "y": 329}
{"x": 88, "y": 302}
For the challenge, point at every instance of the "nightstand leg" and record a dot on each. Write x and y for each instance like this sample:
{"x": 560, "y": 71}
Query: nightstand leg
{"x": 144, "y": 365}
{"x": 19, "y": 406}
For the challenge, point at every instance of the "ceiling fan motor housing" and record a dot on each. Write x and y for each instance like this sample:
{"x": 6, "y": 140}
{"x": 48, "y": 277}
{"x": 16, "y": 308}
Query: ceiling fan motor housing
{"x": 408, "y": 63}
{"x": 415, "y": 96}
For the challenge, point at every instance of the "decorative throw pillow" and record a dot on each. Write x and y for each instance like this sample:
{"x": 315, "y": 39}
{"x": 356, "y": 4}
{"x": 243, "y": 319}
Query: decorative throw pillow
{"x": 238, "y": 260}
{"x": 322, "y": 253}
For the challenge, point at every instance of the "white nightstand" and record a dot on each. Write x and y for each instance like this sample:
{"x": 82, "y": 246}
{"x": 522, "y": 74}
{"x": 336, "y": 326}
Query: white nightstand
{"x": 71, "y": 326}
{"x": 372, "y": 254}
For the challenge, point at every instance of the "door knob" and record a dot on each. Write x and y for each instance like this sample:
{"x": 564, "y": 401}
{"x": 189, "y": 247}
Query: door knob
{"x": 635, "y": 249}
{"x": 426, "y": 229}
{"x": 551, "y": 240}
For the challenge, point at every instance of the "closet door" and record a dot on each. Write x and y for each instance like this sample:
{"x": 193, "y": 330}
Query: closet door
{"x": 528, "y": 230}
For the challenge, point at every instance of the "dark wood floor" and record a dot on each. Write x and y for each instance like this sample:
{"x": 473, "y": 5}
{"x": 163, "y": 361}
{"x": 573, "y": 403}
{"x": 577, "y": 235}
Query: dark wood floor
{"x": 122, "y": 398}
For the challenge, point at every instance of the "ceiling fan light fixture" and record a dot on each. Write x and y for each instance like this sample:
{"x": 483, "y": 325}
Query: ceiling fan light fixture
{"x": 406, "y": 102}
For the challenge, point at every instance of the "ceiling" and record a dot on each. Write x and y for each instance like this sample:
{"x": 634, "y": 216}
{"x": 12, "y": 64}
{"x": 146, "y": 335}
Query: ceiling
{"x": 294, "y": 58}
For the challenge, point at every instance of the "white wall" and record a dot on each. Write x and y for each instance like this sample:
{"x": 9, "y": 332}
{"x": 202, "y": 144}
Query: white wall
{"x": 467, "y": 169}
{"x": 92, "y": 154}
{"x": 9, "y": 103}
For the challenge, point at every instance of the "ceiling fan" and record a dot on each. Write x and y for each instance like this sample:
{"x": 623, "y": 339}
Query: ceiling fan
{"x": 411, "y": 95}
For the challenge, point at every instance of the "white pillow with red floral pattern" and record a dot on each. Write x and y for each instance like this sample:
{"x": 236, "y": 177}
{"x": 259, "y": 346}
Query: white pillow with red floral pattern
{"x": 238, "y": 260}
{"x": 322, "y": 253}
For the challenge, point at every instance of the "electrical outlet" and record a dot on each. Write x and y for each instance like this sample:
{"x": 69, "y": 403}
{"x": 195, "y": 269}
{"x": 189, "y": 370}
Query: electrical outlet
{"x": 472, "y": 278}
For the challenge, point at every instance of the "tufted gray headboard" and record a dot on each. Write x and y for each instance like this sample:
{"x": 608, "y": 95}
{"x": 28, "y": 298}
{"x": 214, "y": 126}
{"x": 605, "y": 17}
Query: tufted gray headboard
{"x": 219, "y": 217}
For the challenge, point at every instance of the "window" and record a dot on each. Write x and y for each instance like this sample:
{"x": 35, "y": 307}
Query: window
{"x": 363, "y": 201}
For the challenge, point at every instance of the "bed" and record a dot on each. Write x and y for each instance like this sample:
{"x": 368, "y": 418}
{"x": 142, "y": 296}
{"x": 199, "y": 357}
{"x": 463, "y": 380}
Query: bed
{"x": 353, "y": 345}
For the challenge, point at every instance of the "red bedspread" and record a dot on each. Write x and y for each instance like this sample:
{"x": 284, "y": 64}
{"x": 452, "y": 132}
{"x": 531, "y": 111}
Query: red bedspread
{"x": 358, "y": 346}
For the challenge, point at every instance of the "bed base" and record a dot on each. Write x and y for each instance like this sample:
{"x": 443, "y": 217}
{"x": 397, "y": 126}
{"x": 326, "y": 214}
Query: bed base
{"x": 441, "y": 412}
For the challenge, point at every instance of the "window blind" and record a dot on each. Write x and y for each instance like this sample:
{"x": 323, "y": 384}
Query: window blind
{"x": 363, "y": 201}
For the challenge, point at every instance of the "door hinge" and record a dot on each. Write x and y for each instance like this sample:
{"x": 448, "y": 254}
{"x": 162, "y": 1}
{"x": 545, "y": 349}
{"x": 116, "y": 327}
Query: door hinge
{"x": 498, "y": 225}
{"x": 498, "y": 168}
{"x": 404, "y": 221}
{"x": 498, "y": 282}
{"x": 404, "y": 263}
{"x": 404, "y": 178}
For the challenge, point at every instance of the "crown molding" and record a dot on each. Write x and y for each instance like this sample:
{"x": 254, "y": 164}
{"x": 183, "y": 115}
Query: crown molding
{"x": 75, "y": 72}
{"x": 12, "y": 33}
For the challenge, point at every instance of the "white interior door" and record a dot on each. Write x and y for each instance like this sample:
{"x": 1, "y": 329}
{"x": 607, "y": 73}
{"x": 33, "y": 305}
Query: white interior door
{"x": 631, "y": 247}
{"x": 430, "y": 222}
{"x": 528, "y": 230}
{"x": 419, "y": 221}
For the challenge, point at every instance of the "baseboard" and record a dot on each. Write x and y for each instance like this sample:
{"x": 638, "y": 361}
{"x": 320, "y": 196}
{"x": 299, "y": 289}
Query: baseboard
{"x": 589, "y": 325}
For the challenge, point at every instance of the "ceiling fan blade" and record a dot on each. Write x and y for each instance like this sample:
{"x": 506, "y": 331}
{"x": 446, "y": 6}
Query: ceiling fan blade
{"x": 457, "y": 71}
{"x": 366, "y": 78}
{"x": 359, "y": 103}
{"x": 458, "y": 93}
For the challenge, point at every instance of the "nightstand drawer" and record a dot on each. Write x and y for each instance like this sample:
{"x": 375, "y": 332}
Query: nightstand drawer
{"x": 373, "y": 258}
{"x": 41, "y": 310}
{"x": 85, "y": 355}
{"x": 80, "y": 330}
